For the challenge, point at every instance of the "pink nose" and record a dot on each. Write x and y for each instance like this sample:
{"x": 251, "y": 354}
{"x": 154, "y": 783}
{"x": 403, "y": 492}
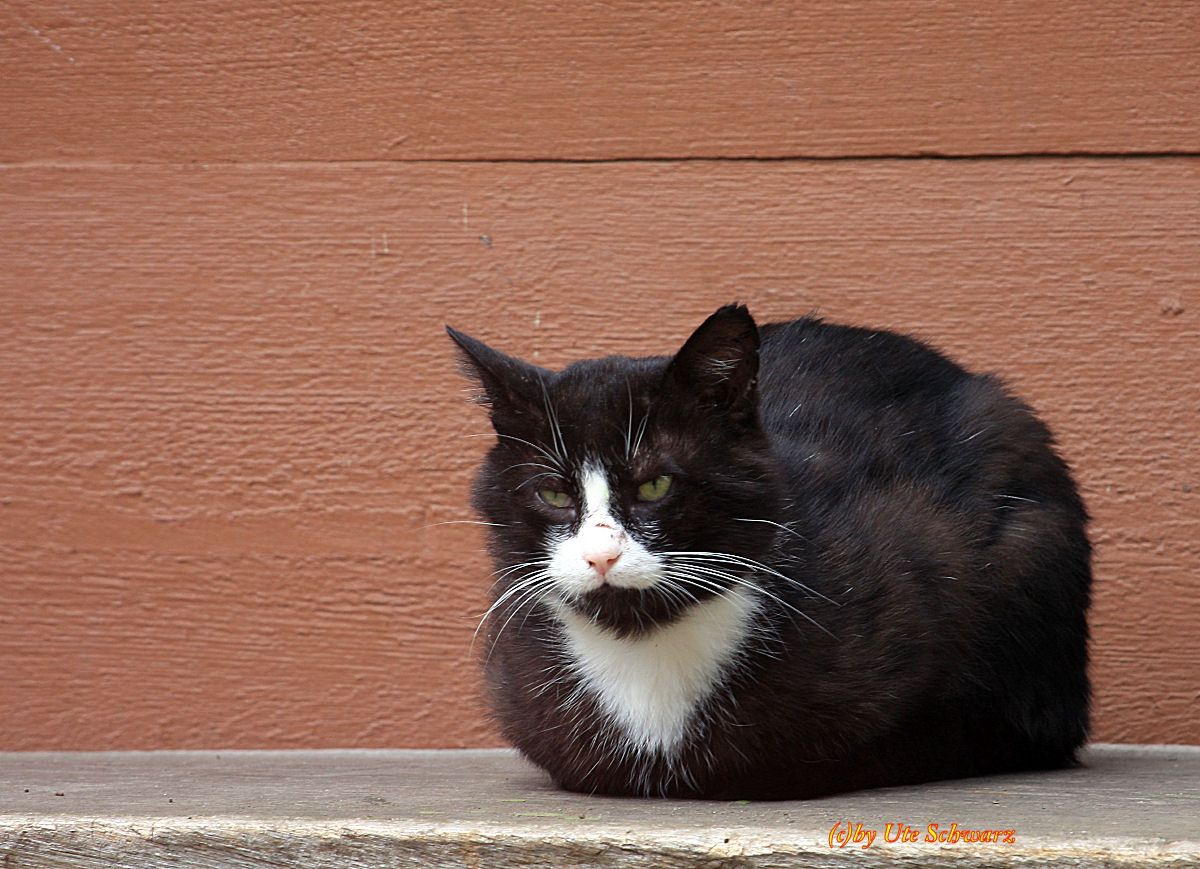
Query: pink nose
{"x": 602, "y": 561}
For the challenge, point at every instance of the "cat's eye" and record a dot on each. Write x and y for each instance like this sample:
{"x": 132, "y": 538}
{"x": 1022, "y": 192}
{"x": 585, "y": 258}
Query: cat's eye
{"x": 654, "y": 490}
{"x": 554, "y": 498}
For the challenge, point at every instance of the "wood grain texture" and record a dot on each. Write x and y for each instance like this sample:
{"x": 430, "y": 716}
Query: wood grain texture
{"x": 231, "y": 419}
{"x": 155, "y": 80}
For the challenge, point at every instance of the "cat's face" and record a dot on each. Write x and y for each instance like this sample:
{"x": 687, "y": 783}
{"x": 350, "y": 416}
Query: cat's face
{"x": 627, "y": 489}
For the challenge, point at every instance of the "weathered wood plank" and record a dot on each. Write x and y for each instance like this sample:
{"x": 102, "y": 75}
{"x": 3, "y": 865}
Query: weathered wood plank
{"x": 230, "y": 416}
{"x": 130, "y": 80}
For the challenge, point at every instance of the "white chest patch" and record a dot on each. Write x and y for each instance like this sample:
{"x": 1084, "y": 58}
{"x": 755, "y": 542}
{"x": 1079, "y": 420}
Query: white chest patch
{"x": 652, "y": 686}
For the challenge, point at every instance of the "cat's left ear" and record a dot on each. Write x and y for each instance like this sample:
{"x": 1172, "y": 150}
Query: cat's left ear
{"x": 513, "y": 390}
{"x": 718, "y": 365}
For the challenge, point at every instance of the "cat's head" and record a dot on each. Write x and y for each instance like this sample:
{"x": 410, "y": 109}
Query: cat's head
{"x": 627, "y": 489}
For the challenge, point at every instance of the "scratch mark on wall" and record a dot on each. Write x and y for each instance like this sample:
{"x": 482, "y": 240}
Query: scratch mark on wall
{"x": 38, "y": 34}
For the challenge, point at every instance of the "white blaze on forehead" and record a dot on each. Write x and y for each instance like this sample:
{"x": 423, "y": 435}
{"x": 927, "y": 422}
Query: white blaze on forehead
{"x": 599, "y": 531}
{"x": 596, "y": 494}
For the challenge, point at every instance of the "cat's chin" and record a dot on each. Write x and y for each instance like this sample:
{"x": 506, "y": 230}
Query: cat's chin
{"x": 629, "y": 611}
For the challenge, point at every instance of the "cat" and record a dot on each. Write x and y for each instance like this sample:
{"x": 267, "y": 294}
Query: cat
{"x": 784, "y": 562}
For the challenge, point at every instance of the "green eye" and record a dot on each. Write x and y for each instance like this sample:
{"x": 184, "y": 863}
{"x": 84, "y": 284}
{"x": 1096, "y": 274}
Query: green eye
{"x": 555, "y": 498}
{"x": 653, "y": 490}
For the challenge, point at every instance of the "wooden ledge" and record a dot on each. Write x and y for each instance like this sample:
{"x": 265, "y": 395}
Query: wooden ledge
{"x": 1130, "y": 806}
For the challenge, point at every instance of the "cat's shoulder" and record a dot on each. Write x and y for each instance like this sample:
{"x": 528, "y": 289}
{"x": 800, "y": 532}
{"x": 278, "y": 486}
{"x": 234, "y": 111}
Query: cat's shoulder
{"x": 856, "y": 357}
{"x": 812, "y": 334}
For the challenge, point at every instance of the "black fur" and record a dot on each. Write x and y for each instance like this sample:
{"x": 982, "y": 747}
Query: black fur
{"x": 939, "y": 539}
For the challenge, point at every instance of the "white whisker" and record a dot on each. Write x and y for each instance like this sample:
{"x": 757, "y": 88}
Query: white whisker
{"x": 640, "y": 432}
{"x": 556, "y": 460}
{"x": 560, "y": 446}
{"x": 525, "y": 483}
{"x": 776, "y": 524}
{"x": 689, "y": 572}
{"x": 534, "y": 595}
{"x": 629, "y": 421}
{"x": 462, "y": 522}
{"x": 742, "y": 561}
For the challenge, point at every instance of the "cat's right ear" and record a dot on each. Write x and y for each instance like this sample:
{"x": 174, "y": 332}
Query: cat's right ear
{"x": 512, "y": 390}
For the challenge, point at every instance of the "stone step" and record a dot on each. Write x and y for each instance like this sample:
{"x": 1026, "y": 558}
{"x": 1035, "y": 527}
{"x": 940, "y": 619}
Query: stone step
{"x": 1128, "y": 806}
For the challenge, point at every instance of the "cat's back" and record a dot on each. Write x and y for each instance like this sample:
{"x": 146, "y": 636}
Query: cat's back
{"x": 810, "y": 360}
{"x": 935, "y": 503}
{"x": 844, "y": 403}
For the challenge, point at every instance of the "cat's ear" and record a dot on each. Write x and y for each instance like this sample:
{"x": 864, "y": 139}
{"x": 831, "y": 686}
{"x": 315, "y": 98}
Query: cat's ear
{"x": 514, "y": 391}
{"x": 718, "y": 365}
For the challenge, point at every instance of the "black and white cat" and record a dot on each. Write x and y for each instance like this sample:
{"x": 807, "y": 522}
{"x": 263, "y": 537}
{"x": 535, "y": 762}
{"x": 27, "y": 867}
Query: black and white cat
{"x": 784, "y": 562}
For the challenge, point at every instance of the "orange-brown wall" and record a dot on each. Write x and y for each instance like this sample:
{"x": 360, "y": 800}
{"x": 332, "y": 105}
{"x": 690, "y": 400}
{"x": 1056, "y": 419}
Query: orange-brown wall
{"x": 230, "y": 233}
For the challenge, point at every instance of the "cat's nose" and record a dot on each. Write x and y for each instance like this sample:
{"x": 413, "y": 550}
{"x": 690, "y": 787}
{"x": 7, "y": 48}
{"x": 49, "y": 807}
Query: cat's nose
{"x": 601, "y": 545}
{"x": 602, "y": 548}
{"x": 603, "y": 561}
